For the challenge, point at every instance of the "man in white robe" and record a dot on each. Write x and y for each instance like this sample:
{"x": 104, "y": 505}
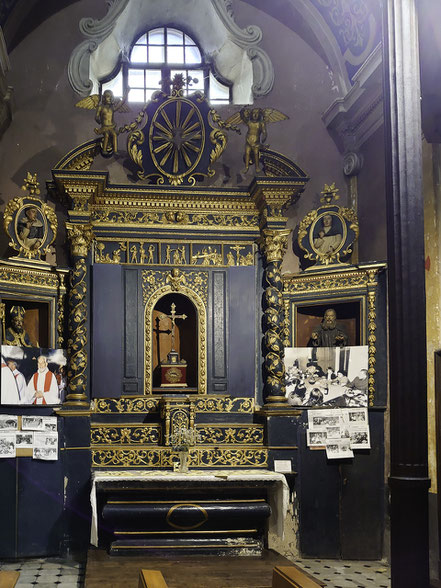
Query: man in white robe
{"x": 20, "y": 381}
{"x": 9, "y": 388}
{"x": 42, "y": 387}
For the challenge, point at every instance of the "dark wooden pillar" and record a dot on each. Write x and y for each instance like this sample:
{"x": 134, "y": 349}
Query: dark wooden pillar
{"x": 409, "y": 482}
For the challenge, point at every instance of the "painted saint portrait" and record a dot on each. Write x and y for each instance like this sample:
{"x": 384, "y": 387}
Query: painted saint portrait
{"x": 327, "y": 234}
{"x": 31, "y": 228}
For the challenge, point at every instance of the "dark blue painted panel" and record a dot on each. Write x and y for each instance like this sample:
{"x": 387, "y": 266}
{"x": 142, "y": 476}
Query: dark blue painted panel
{"x": 40, "y": 512}
{"x": 107, "y": 331}
{"x": 8, "y": 507}
{"x": 242, "y": 331}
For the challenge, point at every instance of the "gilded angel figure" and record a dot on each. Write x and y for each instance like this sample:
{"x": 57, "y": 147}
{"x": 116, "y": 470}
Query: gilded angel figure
{"x": 104, "y": 116}
{"x": 255, "y": 119}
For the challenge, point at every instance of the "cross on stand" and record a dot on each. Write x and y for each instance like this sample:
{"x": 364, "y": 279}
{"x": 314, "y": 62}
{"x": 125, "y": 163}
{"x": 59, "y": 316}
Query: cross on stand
{"x": 173, "y": 316}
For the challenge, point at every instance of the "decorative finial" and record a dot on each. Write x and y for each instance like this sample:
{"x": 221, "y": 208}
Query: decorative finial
{"x": 31, "y": 184}
{"x": 330, "y": 193}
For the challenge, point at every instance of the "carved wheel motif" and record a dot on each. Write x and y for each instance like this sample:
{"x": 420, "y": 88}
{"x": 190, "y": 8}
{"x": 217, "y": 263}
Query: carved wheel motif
{"x": 177, "y": 137}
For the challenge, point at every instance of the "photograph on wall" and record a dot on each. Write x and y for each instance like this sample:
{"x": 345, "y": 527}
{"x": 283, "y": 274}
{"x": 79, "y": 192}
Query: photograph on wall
{"x": 327, "y": 376}
{"x": 7, "y": 444}
{"x": 32, "y": 376}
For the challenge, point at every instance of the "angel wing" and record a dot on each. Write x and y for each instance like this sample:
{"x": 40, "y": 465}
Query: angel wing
{"x": 90, "y": 102}
{"x": 121, "y": 107}
{"x": 271, "y": 115}
{"x": 235, "y": 119}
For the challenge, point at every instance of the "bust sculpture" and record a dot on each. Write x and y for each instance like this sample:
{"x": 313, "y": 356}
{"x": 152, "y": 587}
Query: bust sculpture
{"x": 328, "y": 333}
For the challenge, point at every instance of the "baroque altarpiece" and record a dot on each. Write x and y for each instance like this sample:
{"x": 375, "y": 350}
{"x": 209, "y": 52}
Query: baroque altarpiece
{"x": 175, "y": 316}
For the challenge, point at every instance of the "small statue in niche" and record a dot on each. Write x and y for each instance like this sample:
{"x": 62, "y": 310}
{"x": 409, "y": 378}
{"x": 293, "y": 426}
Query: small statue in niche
{"x": 15, "y": 334}
{"x": 104, "y": 116}
{"x": 255, "y": 119}
{"x": 328, "y": 333}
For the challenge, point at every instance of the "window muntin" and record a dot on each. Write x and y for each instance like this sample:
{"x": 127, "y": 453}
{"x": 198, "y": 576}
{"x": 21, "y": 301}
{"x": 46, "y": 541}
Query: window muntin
{"x": 160, "y": 54}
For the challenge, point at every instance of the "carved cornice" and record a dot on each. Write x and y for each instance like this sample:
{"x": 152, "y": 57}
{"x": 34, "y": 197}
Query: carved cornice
{"x": 80, "y": 237}
{"x": 353, "y": 278}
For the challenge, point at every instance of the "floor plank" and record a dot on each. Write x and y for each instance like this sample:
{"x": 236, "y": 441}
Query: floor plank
{"x": 183, "y": 571}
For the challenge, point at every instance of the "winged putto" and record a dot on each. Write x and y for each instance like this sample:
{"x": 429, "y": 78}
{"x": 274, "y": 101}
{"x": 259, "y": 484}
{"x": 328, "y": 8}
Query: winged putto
{"x": 255, "y": 119}
{"x": 105, "y": 107}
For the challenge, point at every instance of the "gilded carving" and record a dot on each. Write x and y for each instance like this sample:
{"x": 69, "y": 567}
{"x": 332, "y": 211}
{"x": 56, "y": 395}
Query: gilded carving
{"x": 372, "y": 326}
{"x": 125, "y": 434}
{"x": 30, "y": 223}
{"x": 230, "y": 405}
{"x": 340, "y": 281}
{"x": 202, "y": 457}
{"x": 274, "y": 243}
{"x": 228, "y": 434}
{"x": 126, "y": 405}
{"x": 78, "y": 336}
{"x": 80, "y": 237}
{"x": 28, "y": 277}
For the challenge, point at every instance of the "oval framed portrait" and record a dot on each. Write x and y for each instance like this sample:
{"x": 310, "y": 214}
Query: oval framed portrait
{"x": 328, "y": 233}
{"x": 31, "y": 227}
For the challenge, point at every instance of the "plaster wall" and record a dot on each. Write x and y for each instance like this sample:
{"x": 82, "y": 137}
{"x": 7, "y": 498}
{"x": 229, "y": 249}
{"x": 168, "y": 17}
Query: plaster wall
{"x": 372, "y": 243}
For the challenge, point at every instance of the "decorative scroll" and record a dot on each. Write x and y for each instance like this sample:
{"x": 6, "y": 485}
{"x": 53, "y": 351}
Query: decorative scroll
{"x": 126, "y": 405}
{"x": 151, "y": 404}
{"x": 125, "y": 434}
{"x": 164, "y": 457}
{"x": 230, "y": 405}
{"x": 230, "y": 434}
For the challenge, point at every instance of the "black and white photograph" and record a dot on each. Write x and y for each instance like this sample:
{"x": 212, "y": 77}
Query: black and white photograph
{"x": 7, "y": 444}
{"x": 320, "y": 419}
{"x": 360, "y": 438}
{"x": 45, "y": 439}
{"x": 333, "y": 432}
{"x": 327, "y": 376}
{"x": 46, "y": 453}
{"x": 8, "y": 422}
{"x": 316, "y": 438}
{"x": 24, "y": 439}
{"x": 340, "y": 449}
{"x": 32, "y": 423}
{"x": 32, "y": 376}
{"x": 357, "y": 417}
{"x": 50, "y": 423}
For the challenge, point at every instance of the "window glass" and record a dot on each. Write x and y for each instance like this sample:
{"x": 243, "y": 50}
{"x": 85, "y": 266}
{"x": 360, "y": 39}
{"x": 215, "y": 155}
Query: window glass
{"x": 156, "y": 54}
{"x": 156, "y": 37}
{"x": 139, "y": 54}
{"x": 136, "y": 78}
{"x": 175, "y": 54}
{"x": 192, "y": 54}
{"x": 174, "y": 37}
{"x": 150, "y": 61}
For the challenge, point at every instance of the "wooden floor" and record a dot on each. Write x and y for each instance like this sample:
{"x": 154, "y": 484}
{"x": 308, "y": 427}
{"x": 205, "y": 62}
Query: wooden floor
{"x": 104, "y": 571}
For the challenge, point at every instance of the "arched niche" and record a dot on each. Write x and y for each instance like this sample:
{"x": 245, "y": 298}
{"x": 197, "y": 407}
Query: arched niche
{"x": 173, "y": 286}
{"x": 185, "y": 337}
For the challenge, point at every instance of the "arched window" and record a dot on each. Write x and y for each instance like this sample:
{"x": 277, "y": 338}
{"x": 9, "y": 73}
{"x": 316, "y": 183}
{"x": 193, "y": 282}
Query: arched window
{"x": 157, "y": 56}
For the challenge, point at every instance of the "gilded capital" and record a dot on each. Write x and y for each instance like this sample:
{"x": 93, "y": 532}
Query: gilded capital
{"x": 80, "y": 237}
{"x": 273, "y": 244}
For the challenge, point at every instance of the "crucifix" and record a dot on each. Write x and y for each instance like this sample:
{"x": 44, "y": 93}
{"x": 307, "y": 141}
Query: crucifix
{"x": 173, "y": 371}
{"x": 173, "y": 316}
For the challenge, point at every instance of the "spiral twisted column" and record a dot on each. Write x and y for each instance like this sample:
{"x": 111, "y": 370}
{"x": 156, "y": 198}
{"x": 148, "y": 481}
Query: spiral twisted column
{"x": 80, "y": 237}
{"x": 273, "y": 244}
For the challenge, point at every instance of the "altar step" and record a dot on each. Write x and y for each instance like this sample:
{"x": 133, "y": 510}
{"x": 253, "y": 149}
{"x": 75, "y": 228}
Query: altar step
{"x": 225, "y": 545}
